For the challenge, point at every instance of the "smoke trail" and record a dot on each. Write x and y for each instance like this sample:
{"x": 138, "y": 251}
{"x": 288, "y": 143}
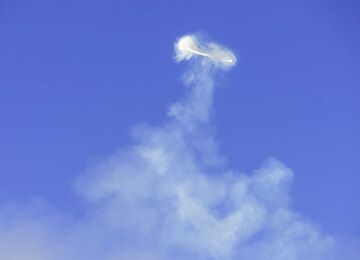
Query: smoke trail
{"x": 169, "y": 196}
{"x": 165, "y": 185}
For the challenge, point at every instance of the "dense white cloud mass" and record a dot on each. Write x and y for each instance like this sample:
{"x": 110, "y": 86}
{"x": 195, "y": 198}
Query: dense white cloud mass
{"x": 169, "y": 196}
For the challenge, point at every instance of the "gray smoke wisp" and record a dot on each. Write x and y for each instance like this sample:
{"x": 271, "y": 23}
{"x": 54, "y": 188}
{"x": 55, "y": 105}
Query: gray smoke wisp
{"x": 169, "y": 195}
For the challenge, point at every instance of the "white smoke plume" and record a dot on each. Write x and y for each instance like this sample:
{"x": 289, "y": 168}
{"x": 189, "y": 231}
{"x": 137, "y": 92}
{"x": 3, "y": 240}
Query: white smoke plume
{"x": 170, "y": 195}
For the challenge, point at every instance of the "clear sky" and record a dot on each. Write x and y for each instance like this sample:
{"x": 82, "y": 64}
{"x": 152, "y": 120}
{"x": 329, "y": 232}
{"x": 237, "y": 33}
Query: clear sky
{"x": 77, "y": 76}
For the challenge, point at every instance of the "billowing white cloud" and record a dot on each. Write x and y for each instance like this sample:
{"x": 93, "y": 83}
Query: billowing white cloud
{"x": 170, "y": 196}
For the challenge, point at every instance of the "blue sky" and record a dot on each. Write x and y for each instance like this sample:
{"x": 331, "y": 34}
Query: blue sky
{"x": 77, "y": 76}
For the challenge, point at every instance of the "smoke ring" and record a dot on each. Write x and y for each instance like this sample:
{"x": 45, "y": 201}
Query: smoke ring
{"x": 189, "y": 45}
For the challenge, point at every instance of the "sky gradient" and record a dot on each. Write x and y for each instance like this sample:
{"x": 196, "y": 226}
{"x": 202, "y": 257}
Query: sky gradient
{"x": 77, "y": 76}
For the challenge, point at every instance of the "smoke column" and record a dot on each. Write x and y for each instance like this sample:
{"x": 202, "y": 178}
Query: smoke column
{"x": 170, "y": 195}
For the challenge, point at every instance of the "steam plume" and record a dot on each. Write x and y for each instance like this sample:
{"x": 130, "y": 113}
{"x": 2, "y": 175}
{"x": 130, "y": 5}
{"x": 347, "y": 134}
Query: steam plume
{"x": 170, "y": 196}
